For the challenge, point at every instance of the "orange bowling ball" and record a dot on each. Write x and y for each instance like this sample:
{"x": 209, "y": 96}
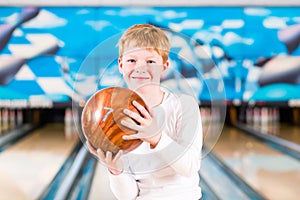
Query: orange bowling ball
{"x": 101, "y": 119}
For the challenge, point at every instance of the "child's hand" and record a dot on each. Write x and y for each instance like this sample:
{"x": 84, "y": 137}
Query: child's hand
{"x": 148, "y": 130}
{"x": 114, "y": 164}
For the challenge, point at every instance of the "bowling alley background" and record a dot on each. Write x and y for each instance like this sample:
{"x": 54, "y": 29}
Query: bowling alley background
{"x": 255, "y": 51}
{"x": 242, "y": 63}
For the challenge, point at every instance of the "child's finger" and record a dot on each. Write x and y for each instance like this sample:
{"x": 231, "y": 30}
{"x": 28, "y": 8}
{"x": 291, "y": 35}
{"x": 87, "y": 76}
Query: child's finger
{"x": 118, "y": 156}
{"x": 135, "y": 136}
{"x": 100, "y": 154}
{"x": 133, "y": 115}
{"x": 131, "y": 125}
{"x": 142, "y": 109}
{"x": 108, "y": 157}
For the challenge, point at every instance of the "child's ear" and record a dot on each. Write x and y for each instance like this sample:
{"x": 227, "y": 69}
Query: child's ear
{"x": 165, "y": 68}
{"x": 120, "y": 65}
{"x": 166, "y": 65}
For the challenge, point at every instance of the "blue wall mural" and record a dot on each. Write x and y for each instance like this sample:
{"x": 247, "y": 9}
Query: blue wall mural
{"x": 59, "y": 54}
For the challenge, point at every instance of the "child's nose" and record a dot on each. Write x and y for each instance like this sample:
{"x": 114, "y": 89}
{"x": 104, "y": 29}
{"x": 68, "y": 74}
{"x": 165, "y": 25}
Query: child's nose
{"x": 141, "y": 66}
{"x": 140, "y": 70}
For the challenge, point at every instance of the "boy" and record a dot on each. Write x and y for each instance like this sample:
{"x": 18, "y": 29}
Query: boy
{"x": 166, "y": 165}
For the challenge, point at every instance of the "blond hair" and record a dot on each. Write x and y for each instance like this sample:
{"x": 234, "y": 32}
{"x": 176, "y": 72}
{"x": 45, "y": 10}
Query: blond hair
{"x": 145, "y": 36}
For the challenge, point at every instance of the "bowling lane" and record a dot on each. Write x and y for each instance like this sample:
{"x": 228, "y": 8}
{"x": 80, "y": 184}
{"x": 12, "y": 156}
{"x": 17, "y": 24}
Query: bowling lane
{"x": 289, "y": 132}
{"x": 283, "y": 130}
{"x": 270, "y": 172}
{"x": 29, "y": 166}
{"x": 100, "y": 186}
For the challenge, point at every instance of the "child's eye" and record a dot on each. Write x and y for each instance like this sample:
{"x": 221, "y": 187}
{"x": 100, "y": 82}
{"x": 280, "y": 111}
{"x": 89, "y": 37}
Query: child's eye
{"x": 131, "y": 60}
{"x": 150, "y": 61}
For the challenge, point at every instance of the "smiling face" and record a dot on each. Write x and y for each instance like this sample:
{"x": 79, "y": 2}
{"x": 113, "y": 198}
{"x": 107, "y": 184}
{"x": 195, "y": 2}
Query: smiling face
{"x": 142, "y": 68}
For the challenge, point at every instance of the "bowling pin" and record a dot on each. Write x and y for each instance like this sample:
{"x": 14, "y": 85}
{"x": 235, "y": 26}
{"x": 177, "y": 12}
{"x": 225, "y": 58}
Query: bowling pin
{"x": 256, "y": 116}
{"x": 41, "y": 44}
{"x": 6, "y": 30}
{"x": 12, "y": 119}
{"x": 68, "y": 123}
{"x": 264, "y": 115}
{"x": 264, "y": 119}
{"x": 216, "y": 115}
{"x": 290, "y": 36}
{"x": 249, "y": 115}
{"x": 1, "y": 121}
{"x": 202, "y": 115}
{"x": 5, "y": 119}
{"x": 276, "y": 122}
{"x": 26, "y": 14}
{"x": 75, "y": 121}
{"x": 205, "y": 119}
{"x": 19, "y": 117}
{"x": 10, "y": 65}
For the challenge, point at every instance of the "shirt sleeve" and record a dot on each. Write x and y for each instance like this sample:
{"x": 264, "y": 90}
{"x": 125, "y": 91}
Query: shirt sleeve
{"x": 185, "y": 147}
{"x": 123, "y": 186}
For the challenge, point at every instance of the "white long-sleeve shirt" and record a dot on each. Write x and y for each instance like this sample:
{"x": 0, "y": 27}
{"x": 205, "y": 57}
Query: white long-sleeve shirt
{"x": 170, "y": 171}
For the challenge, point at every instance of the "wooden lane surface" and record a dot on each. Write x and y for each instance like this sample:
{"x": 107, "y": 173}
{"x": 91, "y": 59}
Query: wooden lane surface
{"x": 270, "y": 172}
{"x": 30, "y": 165}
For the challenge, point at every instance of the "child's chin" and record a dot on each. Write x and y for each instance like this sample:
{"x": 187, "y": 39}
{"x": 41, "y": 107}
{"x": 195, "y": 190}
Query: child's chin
{"x": 139, "y": 84}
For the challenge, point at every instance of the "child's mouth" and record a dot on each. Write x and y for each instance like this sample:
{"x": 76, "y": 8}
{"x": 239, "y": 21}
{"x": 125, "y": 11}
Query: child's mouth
{"x": 140, "y": 78}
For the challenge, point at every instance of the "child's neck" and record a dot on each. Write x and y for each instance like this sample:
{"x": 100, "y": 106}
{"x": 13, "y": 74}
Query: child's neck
{"x": 152, "y": 97}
